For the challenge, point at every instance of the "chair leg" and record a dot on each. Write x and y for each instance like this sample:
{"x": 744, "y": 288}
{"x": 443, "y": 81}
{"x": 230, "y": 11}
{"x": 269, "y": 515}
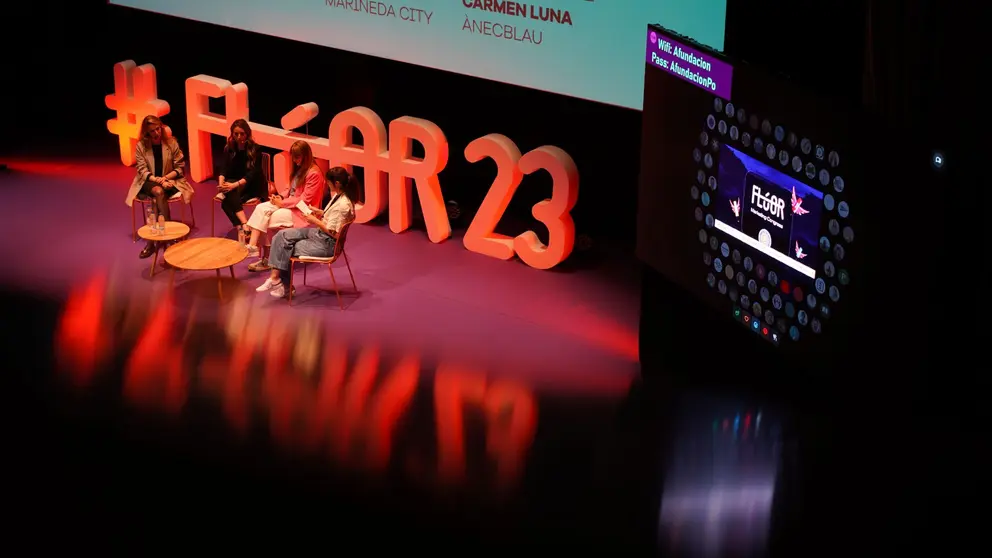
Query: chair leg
{"x": 182, "y": 211}
{"x": 305, "y": 275}
{"x": 348, "y": 264}
{"x": 212, "y": 219}
{"x": 192, "y": 214}
{"x": 337, "y": 291}
{"x": 292, "y": 268}
{"x": 134, "y": 221}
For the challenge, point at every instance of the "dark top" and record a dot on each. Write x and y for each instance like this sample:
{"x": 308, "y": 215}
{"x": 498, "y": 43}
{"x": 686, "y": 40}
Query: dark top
{"x": 157, "y": 152}
{"x": 236, "y": 168}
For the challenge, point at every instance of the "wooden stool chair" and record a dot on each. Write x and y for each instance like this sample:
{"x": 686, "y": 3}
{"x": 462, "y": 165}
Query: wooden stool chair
{"x": 338, "y": 252}
{"x": 177, "y": 197}
{"x": 252, "y": 202}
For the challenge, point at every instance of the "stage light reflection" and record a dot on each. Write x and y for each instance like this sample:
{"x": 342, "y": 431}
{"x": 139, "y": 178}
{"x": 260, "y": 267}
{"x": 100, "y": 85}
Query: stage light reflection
{"x": 316, "y": 393}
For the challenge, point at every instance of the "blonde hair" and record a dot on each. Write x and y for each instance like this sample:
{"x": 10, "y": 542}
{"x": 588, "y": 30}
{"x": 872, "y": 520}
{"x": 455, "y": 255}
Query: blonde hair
{"x": 146, "y": 124}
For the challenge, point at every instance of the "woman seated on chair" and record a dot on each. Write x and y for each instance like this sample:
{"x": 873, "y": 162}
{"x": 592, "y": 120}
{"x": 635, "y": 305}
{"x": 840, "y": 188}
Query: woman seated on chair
{"x": 306, "y": 185}
{"x": 241, "y": 178}
{"x": 316, "y": 242}
{"x": 159, "y": 177}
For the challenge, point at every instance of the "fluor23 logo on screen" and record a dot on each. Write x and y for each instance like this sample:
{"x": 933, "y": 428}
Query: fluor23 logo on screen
{"x": 391, "y": 170}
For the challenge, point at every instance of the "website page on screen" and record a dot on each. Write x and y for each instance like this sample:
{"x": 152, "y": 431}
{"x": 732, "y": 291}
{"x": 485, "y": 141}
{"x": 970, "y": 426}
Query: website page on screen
{"x": 589, "y": 49}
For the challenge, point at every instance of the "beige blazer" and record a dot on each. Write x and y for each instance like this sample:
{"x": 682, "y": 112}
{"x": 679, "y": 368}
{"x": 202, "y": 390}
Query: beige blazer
{"x": 172, "y": 159}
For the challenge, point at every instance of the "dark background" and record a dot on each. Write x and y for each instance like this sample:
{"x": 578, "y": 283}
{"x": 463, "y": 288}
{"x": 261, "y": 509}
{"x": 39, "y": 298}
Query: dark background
{"x": 60, "y": 55}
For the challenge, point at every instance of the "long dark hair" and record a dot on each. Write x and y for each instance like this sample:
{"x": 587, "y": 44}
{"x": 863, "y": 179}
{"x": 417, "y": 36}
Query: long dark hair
{"x": 251, "y": 148}
{"x": 348, "y": 182}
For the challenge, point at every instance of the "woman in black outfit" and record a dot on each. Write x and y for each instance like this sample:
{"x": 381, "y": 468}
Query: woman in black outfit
{"x": 242, "y": 178}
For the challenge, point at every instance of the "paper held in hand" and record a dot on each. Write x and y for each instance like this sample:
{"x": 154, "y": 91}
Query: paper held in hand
{"x": 303, "y": 207}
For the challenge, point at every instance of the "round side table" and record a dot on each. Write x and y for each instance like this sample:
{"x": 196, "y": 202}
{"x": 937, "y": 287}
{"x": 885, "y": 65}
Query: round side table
{"x": 173, "y": 231}
{"x": 206, "y": 254}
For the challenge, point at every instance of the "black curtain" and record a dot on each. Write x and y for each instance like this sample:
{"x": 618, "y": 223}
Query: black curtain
{"x": 49, "y": 49}
{"x": 904, "y": 63}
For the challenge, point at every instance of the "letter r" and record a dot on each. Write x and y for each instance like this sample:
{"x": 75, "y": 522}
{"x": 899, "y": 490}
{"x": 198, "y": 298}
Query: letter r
{"x": 404, "y": 170}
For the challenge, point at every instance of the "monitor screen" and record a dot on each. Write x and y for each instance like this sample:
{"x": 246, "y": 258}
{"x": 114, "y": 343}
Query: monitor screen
{"x": 768, "y": 212}
{"x": 750, "y": 195}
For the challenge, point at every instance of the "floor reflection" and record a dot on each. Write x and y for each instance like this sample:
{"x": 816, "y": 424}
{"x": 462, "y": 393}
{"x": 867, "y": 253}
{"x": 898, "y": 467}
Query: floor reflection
{"x": 721, "y": 482}
{"x": 303, "y": 385}
{"x": 259, "y": 413}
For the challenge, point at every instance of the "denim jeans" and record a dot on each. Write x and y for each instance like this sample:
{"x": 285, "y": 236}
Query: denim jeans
{"x": 298, "y": 242}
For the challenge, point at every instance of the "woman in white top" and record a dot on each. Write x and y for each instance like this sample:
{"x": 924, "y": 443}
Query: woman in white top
{"x": 319, "y": 239}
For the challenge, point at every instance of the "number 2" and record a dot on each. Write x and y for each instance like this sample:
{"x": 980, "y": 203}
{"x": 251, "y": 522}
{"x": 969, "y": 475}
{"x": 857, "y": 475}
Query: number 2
{"x": 554, "y": 213}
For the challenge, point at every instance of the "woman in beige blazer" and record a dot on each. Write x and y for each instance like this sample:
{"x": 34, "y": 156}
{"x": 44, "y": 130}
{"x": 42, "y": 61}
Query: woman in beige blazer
{"x": 160, "y": 165}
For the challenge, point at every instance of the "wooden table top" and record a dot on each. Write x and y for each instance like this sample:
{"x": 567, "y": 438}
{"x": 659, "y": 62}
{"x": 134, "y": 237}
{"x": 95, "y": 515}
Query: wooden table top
{"x": 173, "y": 230}
{"x": 201, "y": 254}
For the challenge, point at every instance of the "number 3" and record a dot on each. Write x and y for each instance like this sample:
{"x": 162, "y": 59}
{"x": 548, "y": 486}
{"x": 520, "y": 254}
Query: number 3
{"x": 554, "y": 213}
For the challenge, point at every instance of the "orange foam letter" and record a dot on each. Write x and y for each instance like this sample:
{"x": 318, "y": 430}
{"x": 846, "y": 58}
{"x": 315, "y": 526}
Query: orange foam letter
{"x": 201, "y": 123}
{"x": 554, "y": 213}
{"x": 479, "y": 237}
{"x": 299, "y": 116}
{"x": 404, "y": 169}
{"x": 282, "y": 170}
{"x": 135, "y": 97}
{"x": 371, "y": 156}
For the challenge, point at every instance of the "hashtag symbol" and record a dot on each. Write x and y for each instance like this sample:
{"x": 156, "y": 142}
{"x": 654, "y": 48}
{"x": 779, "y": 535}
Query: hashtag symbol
{"x": 135, "y": 97}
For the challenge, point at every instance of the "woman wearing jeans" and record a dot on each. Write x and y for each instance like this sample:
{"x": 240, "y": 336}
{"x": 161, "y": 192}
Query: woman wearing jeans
{"x": 317, "y": 241}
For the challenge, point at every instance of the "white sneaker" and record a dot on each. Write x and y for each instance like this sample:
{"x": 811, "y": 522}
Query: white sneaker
{"x": 267, "y": 285}
{"x": 220, "y": 196}
{"x": 252, "y": 251}
{"x": 279, "y": 291}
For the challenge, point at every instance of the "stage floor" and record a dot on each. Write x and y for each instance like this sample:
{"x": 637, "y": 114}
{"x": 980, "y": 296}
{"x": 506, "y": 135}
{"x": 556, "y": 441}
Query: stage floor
{"x": 64, "y": 222}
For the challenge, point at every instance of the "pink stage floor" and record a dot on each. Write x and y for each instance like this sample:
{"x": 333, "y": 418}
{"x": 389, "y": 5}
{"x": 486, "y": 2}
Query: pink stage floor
{"x": 64, "y": 221}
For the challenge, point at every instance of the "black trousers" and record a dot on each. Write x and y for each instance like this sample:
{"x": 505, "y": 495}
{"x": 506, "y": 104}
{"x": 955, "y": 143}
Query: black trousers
{"x": 235, "y": 199}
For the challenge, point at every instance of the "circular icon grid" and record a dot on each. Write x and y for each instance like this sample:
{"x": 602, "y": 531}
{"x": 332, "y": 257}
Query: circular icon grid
{"x": 821, "y": 167}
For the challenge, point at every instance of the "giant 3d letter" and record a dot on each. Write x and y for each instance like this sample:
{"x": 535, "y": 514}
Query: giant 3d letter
{"x": 391, "y": 154}
{"x": 405, "y": 170}
{"x": 371, "y": 156}
{"x": 554, "y": 213}
{"x": 202, "y": 123}
{"x": 479, "y": 237}
{"x": 135, "y": 97}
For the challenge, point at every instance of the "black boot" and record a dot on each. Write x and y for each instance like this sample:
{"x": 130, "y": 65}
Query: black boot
{"x": 148, "y": 251}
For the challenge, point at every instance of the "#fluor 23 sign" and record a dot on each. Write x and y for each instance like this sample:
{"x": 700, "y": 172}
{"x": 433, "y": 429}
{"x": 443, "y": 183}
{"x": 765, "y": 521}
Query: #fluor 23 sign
{"x": 391, "y": 170}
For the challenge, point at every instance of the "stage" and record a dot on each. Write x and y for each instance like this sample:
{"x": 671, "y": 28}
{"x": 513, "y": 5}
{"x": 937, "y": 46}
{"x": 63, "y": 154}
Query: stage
{"x": 576, "y": 326}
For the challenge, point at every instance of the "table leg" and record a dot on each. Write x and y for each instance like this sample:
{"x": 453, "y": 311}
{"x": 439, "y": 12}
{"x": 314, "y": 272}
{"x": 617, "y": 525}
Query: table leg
{"x": 151, "y": 272}
{"x": 172, "y": 277}
{"x": 220, "y": 286}
{"x": 232, "y": 271}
